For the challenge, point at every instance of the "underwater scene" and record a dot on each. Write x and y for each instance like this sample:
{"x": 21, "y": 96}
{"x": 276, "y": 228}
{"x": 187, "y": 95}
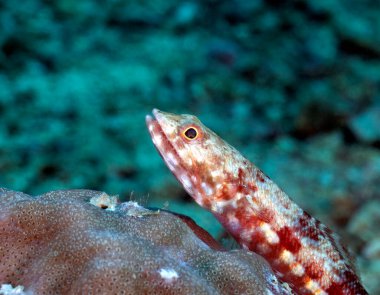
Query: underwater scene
{"x": 86, "y": 88}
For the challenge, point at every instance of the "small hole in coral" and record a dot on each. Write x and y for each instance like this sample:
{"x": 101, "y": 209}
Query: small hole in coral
{"x": 103, "y": 206}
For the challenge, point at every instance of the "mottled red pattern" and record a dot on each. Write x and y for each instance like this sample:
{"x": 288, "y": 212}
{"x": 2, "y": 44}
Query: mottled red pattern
{"x": 313, "y": 271}
{"x": 260, "y": 176}
{"x": 258, "y": 214}
{"x": 304, "y": 220}
{"x": 267, "y": 215}
{"x": 335, "y": 289}
{"x": 288, "y": 240}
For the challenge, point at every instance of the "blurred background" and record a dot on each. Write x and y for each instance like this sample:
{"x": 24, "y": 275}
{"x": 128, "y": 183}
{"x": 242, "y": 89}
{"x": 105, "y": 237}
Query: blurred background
{"x": 294, "y": 85}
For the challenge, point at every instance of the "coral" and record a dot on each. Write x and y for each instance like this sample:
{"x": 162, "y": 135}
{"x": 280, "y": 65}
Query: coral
{"x": 73, "y": 242}
{"x": 7, "y": 289}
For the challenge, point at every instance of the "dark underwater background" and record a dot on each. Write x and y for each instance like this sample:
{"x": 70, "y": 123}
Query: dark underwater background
{"x": 294, "y": 85}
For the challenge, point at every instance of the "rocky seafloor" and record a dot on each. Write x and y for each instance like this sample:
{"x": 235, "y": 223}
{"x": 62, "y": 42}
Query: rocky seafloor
{"x": 293, "y": 85}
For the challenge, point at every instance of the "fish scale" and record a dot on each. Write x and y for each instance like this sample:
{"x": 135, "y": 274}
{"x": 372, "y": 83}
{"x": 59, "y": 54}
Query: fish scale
{"x": 301, "y": 250}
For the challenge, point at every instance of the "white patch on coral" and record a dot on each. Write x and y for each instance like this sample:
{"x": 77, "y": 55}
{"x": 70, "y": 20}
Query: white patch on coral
{"x": 105, "y": 201}
{"x": 135, "y": 210}
{"x": 7, "y": 289}
{"x": 275, "y": 285}
{"x": 168, "y": 274}
{"x": 132, "y": 204}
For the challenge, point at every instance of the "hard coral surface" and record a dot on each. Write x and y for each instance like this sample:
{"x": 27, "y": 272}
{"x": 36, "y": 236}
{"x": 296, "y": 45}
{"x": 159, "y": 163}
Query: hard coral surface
{"x": 73, "y": 242}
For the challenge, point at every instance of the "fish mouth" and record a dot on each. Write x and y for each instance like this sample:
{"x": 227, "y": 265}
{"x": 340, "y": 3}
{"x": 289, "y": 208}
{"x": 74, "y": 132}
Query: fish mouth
{"x": 166, "y": 149}
{"x": 153, "y": 124}
{"x": 161, "y": 141}
{"x": 152, "y": 120}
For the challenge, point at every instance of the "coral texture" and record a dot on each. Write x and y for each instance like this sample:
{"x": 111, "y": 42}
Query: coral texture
{"x": 80, "y": 242}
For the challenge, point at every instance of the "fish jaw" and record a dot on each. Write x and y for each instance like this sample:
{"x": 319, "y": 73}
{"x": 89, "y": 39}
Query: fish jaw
{"x": 163, "y": 128}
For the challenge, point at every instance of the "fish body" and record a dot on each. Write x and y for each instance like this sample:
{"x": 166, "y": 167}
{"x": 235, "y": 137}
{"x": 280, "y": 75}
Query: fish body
{"x": 301, "y": 250}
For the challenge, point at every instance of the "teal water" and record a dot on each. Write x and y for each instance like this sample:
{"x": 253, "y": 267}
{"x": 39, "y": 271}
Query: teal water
{"x": 293, "y": 85}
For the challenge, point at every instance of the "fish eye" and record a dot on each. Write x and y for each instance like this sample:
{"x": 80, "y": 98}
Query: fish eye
{"x": 191, "y": 133}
